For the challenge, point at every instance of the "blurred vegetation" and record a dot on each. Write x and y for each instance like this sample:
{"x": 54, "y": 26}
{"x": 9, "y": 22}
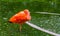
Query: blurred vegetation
{"x": 33, "y": 5}
{"x": 10, "y": 7}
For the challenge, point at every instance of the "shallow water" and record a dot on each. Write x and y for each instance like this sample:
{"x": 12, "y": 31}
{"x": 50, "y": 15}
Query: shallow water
{"x": 46, "y": 21}
{"x": 49, "y": 22}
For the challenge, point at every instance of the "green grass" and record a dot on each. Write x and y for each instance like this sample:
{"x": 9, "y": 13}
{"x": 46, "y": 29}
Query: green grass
{"x": 49, "y": 22}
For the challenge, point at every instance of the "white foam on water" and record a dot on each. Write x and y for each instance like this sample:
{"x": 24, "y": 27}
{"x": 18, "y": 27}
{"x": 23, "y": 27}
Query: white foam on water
{"x": 41, "y": 29}
{"x": 48, "y": 13}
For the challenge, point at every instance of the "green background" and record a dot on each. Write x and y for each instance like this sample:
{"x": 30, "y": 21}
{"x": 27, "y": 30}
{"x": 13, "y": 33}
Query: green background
{"x": 49, "y": 22}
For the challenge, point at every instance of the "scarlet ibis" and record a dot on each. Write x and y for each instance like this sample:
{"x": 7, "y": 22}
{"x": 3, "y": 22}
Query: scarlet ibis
{"x": 21, "y": 17}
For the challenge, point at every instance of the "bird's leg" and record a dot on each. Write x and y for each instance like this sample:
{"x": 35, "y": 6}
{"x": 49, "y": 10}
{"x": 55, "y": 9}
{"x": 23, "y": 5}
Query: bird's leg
{"x": 20, "y": 27}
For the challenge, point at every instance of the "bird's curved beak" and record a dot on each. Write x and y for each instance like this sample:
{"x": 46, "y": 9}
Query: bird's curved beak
{"x": 10, "y": 22}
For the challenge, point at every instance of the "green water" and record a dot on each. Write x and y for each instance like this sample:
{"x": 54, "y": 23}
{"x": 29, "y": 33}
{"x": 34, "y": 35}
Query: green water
{"x": 49, "y": 22}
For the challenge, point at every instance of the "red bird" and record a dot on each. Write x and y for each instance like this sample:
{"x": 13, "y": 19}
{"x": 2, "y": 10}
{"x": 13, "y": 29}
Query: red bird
{"x": 21, "y": 17}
